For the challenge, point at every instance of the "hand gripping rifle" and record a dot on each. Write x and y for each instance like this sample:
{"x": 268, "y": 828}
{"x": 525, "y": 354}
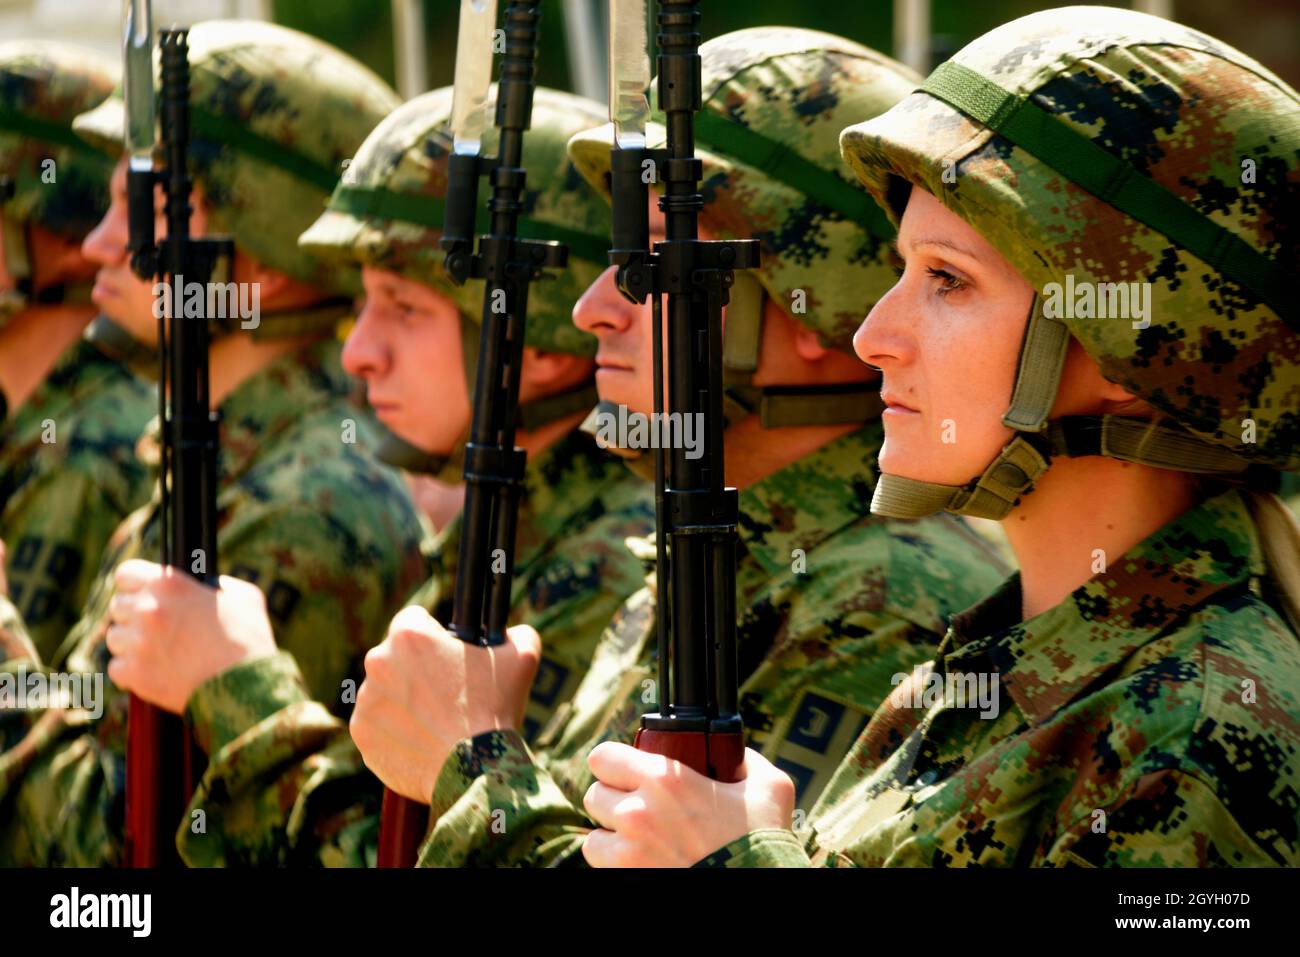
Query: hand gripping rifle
{"x": 494, "y": 468}
{"x": 697, "y": 720}
{"x": 159, "y": 767}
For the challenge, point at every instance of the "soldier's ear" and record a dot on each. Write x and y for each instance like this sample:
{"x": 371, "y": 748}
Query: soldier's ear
{"x": 271, "y": 282}
{"x": 549, "y": 373}
{"x": 1085, "y": 391}
{"x": 808, "y": 344}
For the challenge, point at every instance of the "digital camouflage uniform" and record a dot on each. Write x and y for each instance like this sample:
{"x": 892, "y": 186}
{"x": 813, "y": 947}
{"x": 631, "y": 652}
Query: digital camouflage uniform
{"x": 70, "y": 493}
{"x": 1145, "y": 722}
{"x": 1152, "y": 718}
{"x": 571, "y": 570}
{"x": 832, "y": 603}
{"x": 327, "y": 534}
{"x": 304, "y": 510}
{"x": 68, "y": 473}
{"x": 285, "y": 782}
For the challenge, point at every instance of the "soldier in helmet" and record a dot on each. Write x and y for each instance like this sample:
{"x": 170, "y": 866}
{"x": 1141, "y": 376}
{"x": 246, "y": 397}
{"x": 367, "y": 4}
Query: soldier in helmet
{"x": 832, "y": 602}
{"x": 71, "y": 415}
{"x": 1145, "y": 657}
{"x": 326, "y": 535}
{"x": 415, "y": 344}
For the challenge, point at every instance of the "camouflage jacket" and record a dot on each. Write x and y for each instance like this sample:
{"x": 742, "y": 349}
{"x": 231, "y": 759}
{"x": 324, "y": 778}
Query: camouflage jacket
{"x": 68, "y": 476}
{"x": 286, "y": 784}
{"x": 1152, "y": 719}
{"x": 832, "y": 604}
{"x": 329, "y": 535}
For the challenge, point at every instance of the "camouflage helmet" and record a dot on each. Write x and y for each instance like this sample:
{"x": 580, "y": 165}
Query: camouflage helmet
{"x": 1098, "y": 145}
{"x": 387, "y": 209}
{"x": 387, "y": 212}
{"x": 274, "y": 115}
{"x": 774, "y": 102}
{"x": 48, "y": 175}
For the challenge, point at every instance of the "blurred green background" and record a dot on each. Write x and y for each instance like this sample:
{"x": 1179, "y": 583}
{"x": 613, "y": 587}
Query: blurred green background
{"x": 1268, "y": 30}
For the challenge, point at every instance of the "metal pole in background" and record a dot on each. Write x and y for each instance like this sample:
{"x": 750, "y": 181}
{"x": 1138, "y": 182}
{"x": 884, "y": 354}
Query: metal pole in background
{"x": 1157, "y": 8}
{"x": 408, "y": 48}
{"x": 912, "y": 34}
{"x": 588, "y": 58}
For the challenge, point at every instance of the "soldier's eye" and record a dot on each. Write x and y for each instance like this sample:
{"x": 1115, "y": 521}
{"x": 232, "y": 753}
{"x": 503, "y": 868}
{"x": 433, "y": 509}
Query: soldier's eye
{"x": 948, "y": 282}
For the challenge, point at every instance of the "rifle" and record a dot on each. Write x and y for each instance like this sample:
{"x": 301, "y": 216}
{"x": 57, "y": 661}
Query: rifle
{"x": 696, "y": 721}
{"x": 159, "y": 763}
{"x": 494, "y": 467}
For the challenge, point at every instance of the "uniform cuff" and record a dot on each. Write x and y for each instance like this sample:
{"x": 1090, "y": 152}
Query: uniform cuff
{"x": 224, "y": 707}
{"x": 770, "y": 847}
{"x": 472, "y": 758}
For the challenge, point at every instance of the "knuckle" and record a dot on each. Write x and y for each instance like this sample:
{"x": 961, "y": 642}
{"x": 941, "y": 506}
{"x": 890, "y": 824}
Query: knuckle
{"x": 785, "y": 793}
{"x": 635, "y": 820}
{"x": 376, "y": 662}
{"x": 149, "y": 616}
{"x": 359, "y": 726}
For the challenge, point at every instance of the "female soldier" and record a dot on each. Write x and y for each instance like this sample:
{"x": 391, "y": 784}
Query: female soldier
{"x": 1146, "y": 656}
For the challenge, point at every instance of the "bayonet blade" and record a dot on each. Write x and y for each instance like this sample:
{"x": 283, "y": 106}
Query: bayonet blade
{"x": 478, "y": 21}
{"x": 137, "y": 79}
{"x": 629, "y": 71}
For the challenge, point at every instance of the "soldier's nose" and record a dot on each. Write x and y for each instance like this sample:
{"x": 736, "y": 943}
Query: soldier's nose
{"x": 601, "y": 308}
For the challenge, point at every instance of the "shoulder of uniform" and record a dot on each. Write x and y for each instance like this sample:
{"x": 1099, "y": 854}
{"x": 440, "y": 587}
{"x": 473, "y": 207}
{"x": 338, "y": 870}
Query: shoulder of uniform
{"x": 1214, "y": 698}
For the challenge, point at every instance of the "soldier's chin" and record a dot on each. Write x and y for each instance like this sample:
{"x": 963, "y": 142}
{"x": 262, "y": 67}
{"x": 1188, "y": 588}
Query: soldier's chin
{"x": 143, "y": 331}
{"x": 905, "y": 460}
{"x": 920, "y": 461}
{"x": 616, "y": 393}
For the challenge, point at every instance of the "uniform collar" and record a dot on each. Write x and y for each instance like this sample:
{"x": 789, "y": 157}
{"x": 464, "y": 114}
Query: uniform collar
{"x": 1049, "y": 660}
{"x": 808, "y": 501}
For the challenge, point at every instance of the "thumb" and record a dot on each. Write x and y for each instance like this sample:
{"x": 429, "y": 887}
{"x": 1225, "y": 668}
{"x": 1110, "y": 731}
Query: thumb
{"x": 770, "y": 780}
{"x": 134, "y": 573}
{"x": 414, "y": 618}
{"x": 238, "y": 586}
{"x": 526, "y": 648}
{"x": 527, "y": 642}
{"x": 759, "y": 767}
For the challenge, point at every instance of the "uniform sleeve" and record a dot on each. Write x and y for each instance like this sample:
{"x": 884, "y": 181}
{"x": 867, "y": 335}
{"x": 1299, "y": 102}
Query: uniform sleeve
{"x": 54, "y": 546}
{"x": 770, "y": 847}
{"x": 496, "y": 807}
{"x": 329, "y": 598}
{"x": 1135, "y": 831}
{"x": 284, "y": 783}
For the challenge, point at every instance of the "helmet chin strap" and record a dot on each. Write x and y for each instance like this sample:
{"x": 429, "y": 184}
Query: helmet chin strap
{"x": 1024, "y": 460}
{"x": 15, "y": 238}
{"x": 401, "y": 454}
{"x": 779, "y": 406}
{"x": 450, "y": 467}
{"x": 640, "y": 464}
